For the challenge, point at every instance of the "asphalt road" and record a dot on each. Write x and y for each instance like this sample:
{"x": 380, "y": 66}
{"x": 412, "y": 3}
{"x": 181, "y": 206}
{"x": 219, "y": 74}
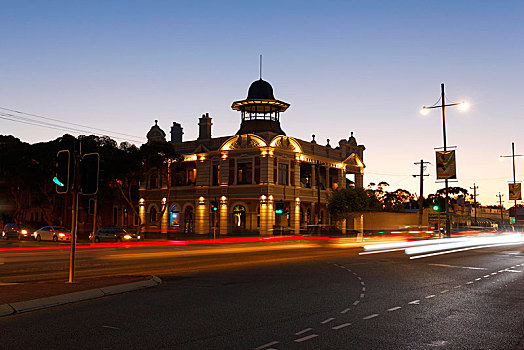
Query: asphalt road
{"x": 282, "y": 296}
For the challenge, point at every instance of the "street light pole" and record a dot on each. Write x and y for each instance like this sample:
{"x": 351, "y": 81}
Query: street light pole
{"x": 513, "y": 155}
{"x": 443, "y": 105}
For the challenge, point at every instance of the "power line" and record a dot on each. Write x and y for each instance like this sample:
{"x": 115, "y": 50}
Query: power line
{"x": 70, "y": 123}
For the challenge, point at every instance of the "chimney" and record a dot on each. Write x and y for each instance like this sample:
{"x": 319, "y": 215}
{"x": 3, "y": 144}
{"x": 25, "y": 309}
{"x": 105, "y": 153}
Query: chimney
{"x": 176, "y": 133}
{"x": 204, "y": 124}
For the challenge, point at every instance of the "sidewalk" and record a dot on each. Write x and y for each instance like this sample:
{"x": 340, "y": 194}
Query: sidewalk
{"x": 23, "y": 297}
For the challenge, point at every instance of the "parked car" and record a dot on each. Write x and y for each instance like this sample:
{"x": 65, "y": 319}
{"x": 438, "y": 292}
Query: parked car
{"x": 16, "y": 231}
{"x": 113, "y": 234}
{"x": 52, "y": 233}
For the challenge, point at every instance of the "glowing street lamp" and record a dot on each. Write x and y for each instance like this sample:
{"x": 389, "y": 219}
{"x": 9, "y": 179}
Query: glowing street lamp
{"x": 425, "y": 110}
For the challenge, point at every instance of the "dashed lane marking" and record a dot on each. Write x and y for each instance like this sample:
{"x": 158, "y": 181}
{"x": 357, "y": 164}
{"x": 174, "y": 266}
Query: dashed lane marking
{"x": 266, "y": 345}
{"x": 414, "y": 302}
{"x": 362, "y": 283}
{"x": 341, "y": 326}
{"x": 486, "y": 276}
{"x": 327, "y": 320}
{"x": 304, "y": 331}
{"x": 430, "y": 296}
{"x": 460, "y": 267}
{"x": 363, "y": 289}
{"x": 493, "y": 273}
{"x": 110, "y": 327}
{"x": 299, "y": 340}
{"x": 444, "y": 291}
{"x": 395, "y": 308}
{"x": 370, "y": 317}
{"x": 508, "y": 270}
{"x": 361, "y": 295}
{"x": 470, "y": 282}
{"x": 478, "y": 279}
{"x": 344, "y": 311}
{"x": 356, "y": 302}
{"x": 457, "y": 286}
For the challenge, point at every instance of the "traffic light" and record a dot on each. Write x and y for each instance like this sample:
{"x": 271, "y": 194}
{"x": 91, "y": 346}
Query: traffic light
{"x": 89, "y": 165}
{"x": 439, "y": 204}
{"x": 279, "y": 207}
{"x": 61, "y": 178}
{"x": 213, "y": 206}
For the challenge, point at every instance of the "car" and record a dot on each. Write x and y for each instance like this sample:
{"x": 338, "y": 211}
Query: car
{"x": 52, "y": 233}
{"x": 16, "y": 231}
{"x": 113, "y": 234}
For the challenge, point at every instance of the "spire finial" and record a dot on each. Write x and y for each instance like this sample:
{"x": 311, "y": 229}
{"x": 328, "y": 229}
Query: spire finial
{"x": 260, "y": 71}
{"x": 156, "y": 122}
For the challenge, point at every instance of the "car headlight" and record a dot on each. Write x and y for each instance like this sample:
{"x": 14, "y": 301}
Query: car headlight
{"x": 61, "y": 235}
{"x": 138, "y": 237}
{"x": 127, "y": 237}
{"x": 24, "y": 232}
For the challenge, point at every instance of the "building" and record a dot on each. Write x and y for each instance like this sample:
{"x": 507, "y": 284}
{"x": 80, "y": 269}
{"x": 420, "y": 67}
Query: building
{"x": 260, "y": 180}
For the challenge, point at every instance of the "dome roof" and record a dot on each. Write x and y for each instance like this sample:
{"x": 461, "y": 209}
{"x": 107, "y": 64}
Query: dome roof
{"x": 260, "y": 89}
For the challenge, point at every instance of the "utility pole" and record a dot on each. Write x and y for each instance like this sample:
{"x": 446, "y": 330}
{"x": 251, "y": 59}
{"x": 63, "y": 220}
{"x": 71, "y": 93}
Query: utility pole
{"x": 421, "y": 195}
{"x": 501, "y": 210}
{"x": 94, "y": 218}
{"x": 513, "y": 155}
{"x": 74, "y": 209}
{"x": 317, "y": 176}
{"x": 474, "y": 188}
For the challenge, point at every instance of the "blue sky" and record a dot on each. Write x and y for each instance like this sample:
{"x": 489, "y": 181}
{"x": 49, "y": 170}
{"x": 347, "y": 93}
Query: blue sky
{"x": 362, "y": 66}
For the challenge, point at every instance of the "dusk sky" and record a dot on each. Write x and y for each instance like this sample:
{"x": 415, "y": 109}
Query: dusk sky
{"x": 361, "y": 66}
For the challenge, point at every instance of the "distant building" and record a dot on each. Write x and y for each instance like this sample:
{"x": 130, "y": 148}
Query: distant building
{"x": 250, "y": 175}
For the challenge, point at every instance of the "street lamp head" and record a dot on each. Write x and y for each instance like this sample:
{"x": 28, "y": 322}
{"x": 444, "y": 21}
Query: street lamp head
{"x": 463, "y": 106}
{"x": 424, "y": 110}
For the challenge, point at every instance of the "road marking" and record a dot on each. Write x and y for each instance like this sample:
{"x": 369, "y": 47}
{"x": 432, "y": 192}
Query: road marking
{"x": 303, "y": 331}
{"x": 508, "y": 270}
{"x": 356, "y": 302}
{"x": 460, "y": 267}
{"x": 486, "y": 276}
{"x": 362, "y": 283}
{"x": 394, "y": 308}
{"x": 363, "y": 289}
{"x": 414, "y": 302}
{"x": 360, "y": 278}
{"x": 444, "y": 291}
{"x": 266, "y": 345}
{"x": 110, "y": 327}
{"x": 457, "y": 286}
{"x": 501, "y": 270}
{"x": 470, "y": 282}
{"x": 345, "y": 310}
{"x": 370, "y": 317}
{"x": 478, "y": 279}
{"x": 361, "y": 295}
{"x": 306, "y": 338}
{"x": 430, "y": 296}
{"x": 327, "y": 320}
{"x": 493, "y": 273}
{"x": 341, "y": 326}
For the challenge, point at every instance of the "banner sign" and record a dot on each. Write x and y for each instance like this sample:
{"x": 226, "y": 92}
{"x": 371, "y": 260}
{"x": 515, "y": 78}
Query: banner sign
{"x": 514, "y": 192}
{"x": 446, "y": 167}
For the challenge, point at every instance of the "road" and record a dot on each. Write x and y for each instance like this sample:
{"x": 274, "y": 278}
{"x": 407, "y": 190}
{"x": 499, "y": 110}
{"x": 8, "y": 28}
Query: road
{"x": 281, "y": 295}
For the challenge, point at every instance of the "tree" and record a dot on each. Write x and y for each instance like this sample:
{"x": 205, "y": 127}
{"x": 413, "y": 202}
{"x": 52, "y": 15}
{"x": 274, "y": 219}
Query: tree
{"x": 351, "y": 199}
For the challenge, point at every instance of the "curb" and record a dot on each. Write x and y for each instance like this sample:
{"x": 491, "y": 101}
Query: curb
{"x": 42, "y": 303}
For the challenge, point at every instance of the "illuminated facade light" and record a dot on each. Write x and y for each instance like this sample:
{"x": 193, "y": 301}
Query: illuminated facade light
{"x": 141, "y": 201}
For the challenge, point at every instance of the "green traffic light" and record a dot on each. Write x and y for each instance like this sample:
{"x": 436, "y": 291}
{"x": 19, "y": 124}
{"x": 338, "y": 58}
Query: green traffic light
{"x": 436, "y": 208}
{"x": 56, "y": 181}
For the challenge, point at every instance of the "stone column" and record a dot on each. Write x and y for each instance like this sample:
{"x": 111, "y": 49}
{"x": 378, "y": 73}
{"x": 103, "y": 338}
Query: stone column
{"x": 202, "y": 217}
{"x": 267, "y": 216}
{"x": 295, "y": 215}
{"x": 224, "y": 209}
{"x": 359, "y": 180}
{"x": 164, "y": 220}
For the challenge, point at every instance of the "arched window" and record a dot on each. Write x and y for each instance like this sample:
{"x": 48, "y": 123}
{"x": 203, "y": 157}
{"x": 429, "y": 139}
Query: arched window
{"x": 174, "y": 216}
{"x": 188, "y": 219}
{"x": 152, "y": 214}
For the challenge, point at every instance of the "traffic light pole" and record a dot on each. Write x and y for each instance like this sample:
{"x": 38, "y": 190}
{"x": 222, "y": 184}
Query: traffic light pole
{"x": 74, "y": 212}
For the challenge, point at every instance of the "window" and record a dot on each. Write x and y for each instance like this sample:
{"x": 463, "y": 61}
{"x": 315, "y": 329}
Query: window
{"x": 152, "y": 214}
{"x": 125, "y": 217}
{"x": 191, "y": 176}
{"x": 174, "y": 216}
{"x": 282, "y": 174}
{"x": 153, "y": 181}
{"x": 216, "y": 175}
{"x": 115, "y": 216}
{"x": 244, "y": 173}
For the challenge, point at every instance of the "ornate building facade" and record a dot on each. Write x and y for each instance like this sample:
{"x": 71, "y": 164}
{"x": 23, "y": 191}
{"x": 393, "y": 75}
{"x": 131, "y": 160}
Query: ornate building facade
{"x": 258, "y": 181}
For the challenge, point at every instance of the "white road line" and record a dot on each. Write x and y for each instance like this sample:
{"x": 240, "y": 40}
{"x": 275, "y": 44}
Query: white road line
{"x": 356, "y": 302}
{"x": 306, "y": 338}
{"x": 395, "y": 308}
{"x": 414, "y": 302}
{"x": 486, "y": 276}
{"x": 266, "y": 345}
{"x": 444, "y": 291}
{"x": 341, "y": 326}
{"x": 508, "y": 270}
{"x": 304, "y": 331}
{"x": 362, "y": 283}
{"x": 110, "y": 327}
{"x": 478, "y": 279}
{"x": 460, "y": 267}
{"x": 327, "y": 320}
{"x": 457, "y": 286}
{"x": 501, "y": 270}
{"x": 370, "y": 317}
{"x": 360, "y": 278}
{"x": 361, "y": 295}
{"x": 470, "y": 282}
{"x": 345, "y": 310}
{"x": 493, "y": 273}
{"x": 430, "y": 296}
{"x": 363, "y": 289}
